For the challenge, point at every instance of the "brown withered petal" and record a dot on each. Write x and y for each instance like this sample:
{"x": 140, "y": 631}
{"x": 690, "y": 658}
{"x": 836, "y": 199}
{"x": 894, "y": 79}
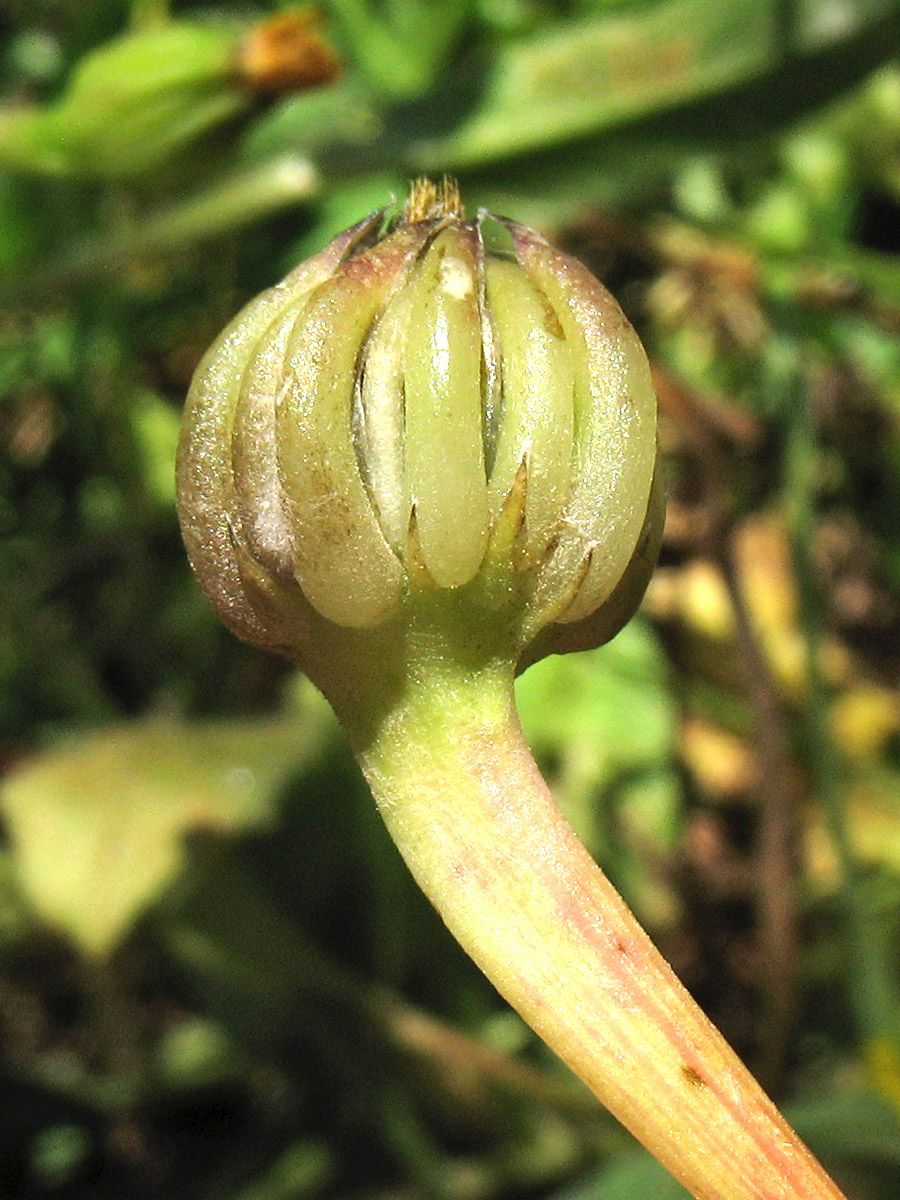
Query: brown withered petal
{"x": 288, "y": 53}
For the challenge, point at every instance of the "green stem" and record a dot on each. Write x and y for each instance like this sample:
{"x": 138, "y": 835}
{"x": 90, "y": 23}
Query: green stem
{"x": 873, "y": 993}
{"x": 469, "y": 811}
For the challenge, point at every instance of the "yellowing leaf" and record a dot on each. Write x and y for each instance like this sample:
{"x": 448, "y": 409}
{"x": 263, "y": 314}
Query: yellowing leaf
{"x": 97, "y": 825}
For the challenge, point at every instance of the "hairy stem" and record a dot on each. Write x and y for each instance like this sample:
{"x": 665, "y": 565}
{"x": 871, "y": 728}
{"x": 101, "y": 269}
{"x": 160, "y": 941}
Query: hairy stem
{"x": 466, "y": 805}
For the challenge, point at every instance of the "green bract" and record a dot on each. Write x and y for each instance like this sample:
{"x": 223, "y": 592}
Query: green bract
{"x": 430, "y": 404}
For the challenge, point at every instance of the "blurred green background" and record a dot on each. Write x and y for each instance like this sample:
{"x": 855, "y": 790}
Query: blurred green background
{"x": 216, "y": 979}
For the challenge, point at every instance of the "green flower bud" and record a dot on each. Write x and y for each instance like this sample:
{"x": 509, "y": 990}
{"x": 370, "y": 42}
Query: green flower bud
{"x": 130, "y": 104}
{"x": 425, "y": 458}
{"x": 140, "y": 99}
{"x": 428, "y": 407}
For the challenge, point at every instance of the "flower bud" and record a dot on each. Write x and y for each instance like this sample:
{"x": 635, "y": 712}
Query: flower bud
{"x": 137, "y": 101}
{"x": 429, "y": 407}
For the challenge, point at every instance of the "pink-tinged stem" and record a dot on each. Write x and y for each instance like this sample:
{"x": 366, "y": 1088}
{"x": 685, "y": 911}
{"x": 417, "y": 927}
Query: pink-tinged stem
{"x": 466, "y": 805}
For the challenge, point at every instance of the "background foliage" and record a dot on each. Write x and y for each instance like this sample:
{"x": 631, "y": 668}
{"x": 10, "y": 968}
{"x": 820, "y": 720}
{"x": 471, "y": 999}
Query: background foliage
{"x": 216, "y": 979}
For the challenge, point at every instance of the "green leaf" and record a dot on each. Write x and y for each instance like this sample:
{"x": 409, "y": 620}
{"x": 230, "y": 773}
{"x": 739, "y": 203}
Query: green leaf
{"x": 587, "y": 76}
{"x": 604, "y": 726}
{"x": 614, "y": 699}
{"x": 402, "y": 50}
{"x": 97, "y": 826}
{"x": 633, "y": 151}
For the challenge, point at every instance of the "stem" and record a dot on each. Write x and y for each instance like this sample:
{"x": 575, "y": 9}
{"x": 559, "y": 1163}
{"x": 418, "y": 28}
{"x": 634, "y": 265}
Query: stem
{"x": 466, "y": 805}
{"x": 779, "y": 835}
{"x": 872, "y": 990}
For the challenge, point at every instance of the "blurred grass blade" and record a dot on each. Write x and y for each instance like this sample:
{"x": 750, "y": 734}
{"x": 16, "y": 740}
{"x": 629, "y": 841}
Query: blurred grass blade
{"x": 230, "y": 204}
